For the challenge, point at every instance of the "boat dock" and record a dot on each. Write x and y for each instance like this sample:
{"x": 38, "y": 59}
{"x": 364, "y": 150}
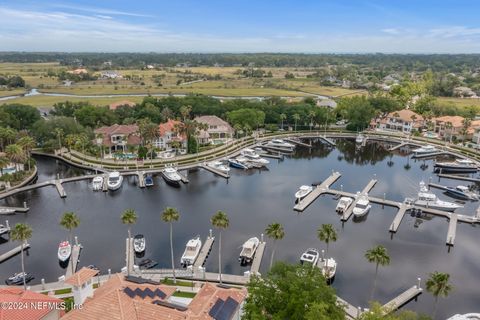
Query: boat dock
{"x": 316, "y": 192}
{"x": 327, "y": 140}
{"x": 278, "y": 149}
{"x": 452, "y": 229}
{"x": 129, "y": 263}
{"x": 399, "y": 217}
{"x": 204, "y": 252}
{"x": 18, "y": 209}
{"x": 348, "y": 213}
{"x": 300, "y": 143}
{"x": 213, "y": 170}
{"x": 257, "y": 259}
{"x": 401, "y": 299}
{"x": 7, "y": 255}
{"x": 404, "y": 144}
{"x": 350, "y": 311}
{"x": 74, "y": 259}
{"x": 141, "y": 179}
{"x": 61, "y": 191}
{"x": 457, "y": 177}
{"x": 183, "y": 177}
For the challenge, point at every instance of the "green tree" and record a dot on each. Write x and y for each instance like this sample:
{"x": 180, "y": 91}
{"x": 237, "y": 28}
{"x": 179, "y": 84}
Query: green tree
{"x": 296, "y": 118}
{"x": 377, "y": 312}
{"x": 171, "y": 215}
{"x": 7, "y": 136}
{"x": 438, "y": 285}
{"x": 15, "y": 154}
{"x": 246, "y": 116}
{"x": 129, "y": 217}
{"x": 21, "y": 232}
{"x": 291, "y": 292}
{"x": 27, "y": 143}
{"x": 380, "y": 257}
{"x": 274, "y": 231}
{"x": 221, "y": 222}
{"x": 327, "y": 234}
{"x": 283, "y": 117}
{"x": 70, "y": 221}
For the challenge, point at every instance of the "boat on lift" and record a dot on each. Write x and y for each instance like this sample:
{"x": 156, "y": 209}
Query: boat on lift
{"x": 114, "y": 181}
{"x": 192, "y": 250}
{"x": 362, "y": 207}
{"x": 424, "y": 151}
{"x": 302, "y": 192}
{"x": 148, "y": 180}
{"x": 248, "y": 250}
{"x": 219, "y": 165}
{"x": 97, "y": 183}
{"x": 139, "y": 243}
{"x": 171, "y": 176}
{"x": 328, "y": 267}
{"x": 64, "y": 251}
{"x": 458, "y": 166}
{"x": 17, "y": 278}
{"x": 462, "y": 192}
{"x": 279, "y": 143}
{"x": 235, "y": 163}
{"x": 253, "y": 157}
{"x": 310, "y": 256}
{"x": 429, "y": 200}
{"x": 343, "y": 204}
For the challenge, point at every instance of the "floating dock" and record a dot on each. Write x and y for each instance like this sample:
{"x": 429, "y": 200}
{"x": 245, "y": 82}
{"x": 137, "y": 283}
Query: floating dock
{"x": 129, "y": 263}
{"x": 204, "y": 252}
{"x": 399, "y": 217}
{"x": 452, "y": 229}
{"x": 141, "y": 179}
{"x": 61, "y": 191}
{"x": 213, "y": 170}
{"x": 183, "y": 177}
{"x": 401, "y": 299}
{"x": 328, "y": 140}
{"x": 7, "y": 255}
{"x": 257, "y": 259}
{"x": 300, "y": 143}
{"x": 74, "y": 259}
{"x": 316, "y": 192}
{"x": 105, "y": 183}
{"x": 348, "y": 213}
{"x": 457, "y": 177}
{"x": 350, "y": 311}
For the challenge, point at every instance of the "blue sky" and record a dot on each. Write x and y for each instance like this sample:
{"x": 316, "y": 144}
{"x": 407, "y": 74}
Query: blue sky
{"x": 403, "y": 26}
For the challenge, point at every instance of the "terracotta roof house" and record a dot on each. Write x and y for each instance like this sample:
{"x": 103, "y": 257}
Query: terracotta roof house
{"x": 219, "y": 131}
{"x": 82, "y": 283}
{"x": 452, "y": 126}
{"x": 168, "y": 134}
{"x": 118, "y": 136}
{"x": 404, "y": 121}
{"x": 123, "y": 300}
{"x": 41, "y": 306}
{"x": 115, "y": 105}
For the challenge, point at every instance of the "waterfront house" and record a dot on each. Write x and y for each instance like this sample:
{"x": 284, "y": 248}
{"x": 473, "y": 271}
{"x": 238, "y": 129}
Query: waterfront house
{"x": 120, "y": 299}
{"x": 403, "y": 121}
{"x": 37, "y": 306}
{"x": 218, "y": 131}
{"x": 168, "y": 133}
{"x": 118, "y": 136}
{"x": 115, "y": 105}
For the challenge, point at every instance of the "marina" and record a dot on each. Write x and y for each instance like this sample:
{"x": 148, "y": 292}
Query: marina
{"x": 204, "y": 252}
{"x": 257, "y": 260}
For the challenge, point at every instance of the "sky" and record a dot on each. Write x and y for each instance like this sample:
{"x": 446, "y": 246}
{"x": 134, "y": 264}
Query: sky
{"x": 307, "y": 26}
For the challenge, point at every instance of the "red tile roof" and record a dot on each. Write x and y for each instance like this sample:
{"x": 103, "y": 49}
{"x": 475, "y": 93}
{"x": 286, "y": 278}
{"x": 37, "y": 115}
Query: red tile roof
{"x": 81, "y": 276}
{"x": 131, "y": 131}
{"x": 36, "y": 304}
{"x": 169, "y": 126}
{"x": 115, "y": 105}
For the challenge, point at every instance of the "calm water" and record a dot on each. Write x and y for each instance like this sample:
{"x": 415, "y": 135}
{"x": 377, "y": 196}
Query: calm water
{"x": 254, "y": 199}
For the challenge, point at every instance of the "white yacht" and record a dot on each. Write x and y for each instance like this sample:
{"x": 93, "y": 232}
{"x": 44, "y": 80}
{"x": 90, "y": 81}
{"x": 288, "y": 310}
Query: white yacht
{"x": 310, "y": 256}
{"x": 7, "y": 211}
{"x": 458, "y": 166}
{"x": 97, "y": 183}
{"x": 115, "y": 180}
{"x": 343, "y": 204}
{"x": 429, "y": 200}
{"x": 139, "y": 243}
{"x": 279, "y": 143}
{"x": 425, "y": 150}
{"x": 4, "y": 229}
{"x": 359, "y": 139}
{"x": 220, "y": 166}
{"x": 329, "y": 268}
{"x": 362, "y": 207}
{"x": 462, "y": 192}
{"x": 171, "y": 176}
{"x": 64, "y": 251}
{"x": 249, "y": 153}
{"x": 302, "y": 192}
{"x": 248, "y": 250}
{"x": 192, "y": 249}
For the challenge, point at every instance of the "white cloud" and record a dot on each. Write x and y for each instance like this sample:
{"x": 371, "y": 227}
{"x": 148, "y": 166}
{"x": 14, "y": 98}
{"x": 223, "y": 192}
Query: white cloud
{"x": 392, "y": 31}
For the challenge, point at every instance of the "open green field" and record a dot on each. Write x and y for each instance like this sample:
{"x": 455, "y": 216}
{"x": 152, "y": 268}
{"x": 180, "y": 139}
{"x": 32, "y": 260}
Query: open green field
{"x": 13, "y": 92}
{"x": 459, "y": 102}
{"x": 48, "y": 102}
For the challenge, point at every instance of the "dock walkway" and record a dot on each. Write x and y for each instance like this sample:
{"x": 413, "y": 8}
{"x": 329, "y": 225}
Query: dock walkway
{"x": 204, "y": 252}
{"x": 257, "y": 259}
{"x": 213, "y": 170}
{"x": 321, "y": 188}
{"x": 74, "y": 259}
{"x": 7, "y": 255}
{"x": 452, "y": 229}
{"x": 457, "y": 177}
{"x": 348, "y": 213}
{"x": 297, "y": 141}
{"x": 399, "y": 217}
{"x": 401, "y": 299}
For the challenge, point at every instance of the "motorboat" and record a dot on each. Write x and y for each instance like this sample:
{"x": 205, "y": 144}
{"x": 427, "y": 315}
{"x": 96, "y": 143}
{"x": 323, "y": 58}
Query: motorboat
{"x": 147, "y": 264}
{"x": 462, "y": 192}
{"x": 64, "y": 251}
{"x": 171, "y": 176}
{"x": 425, "y": 150}
{"x": 234, "y": 163}
{"x": 279, "y": 143}
{"x": 343, "y": 204}
{"x": 258, "y": 162}
{"x": 7, "y": 211}
{"x": 329, "y": 268}
{"x": 93, "y": 267}
{"x": 245, "y": 161}
{"x": 97, "y": 183}
{"x": 310, "y": 256}
{"x": 17, "y": 278}
{"x": 359, "y": 139}
{"x": 4, "y": 229}
{"x": 302, "y": 192}
{"x": 429, "y": 200}
{"x": 148, "y": 180}
{"x": 362, "y": 206}
{"x": 459, "y": 165}
{"x": 192, "y": 249}
{"x": 248, "y": 250}
{"x": 249, "y": 153}
{"x": 139, "y": 243}
{"x": 114, "y": 181}
{"x": 219, "y": 165}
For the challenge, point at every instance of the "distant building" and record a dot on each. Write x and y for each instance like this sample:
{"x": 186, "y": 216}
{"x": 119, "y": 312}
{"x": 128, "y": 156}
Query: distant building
{"x": 20, "y": 297}
{"x": 168, "y": 133}
{"x": 404, "y": 121}
{"x": 219, "y": 131}
{"x": 115, "y": 105}
{"x": 110, "y": 75}
{"x": 327, "y": 103}
{"x": 67, "y": 83}
{"x": 78, "y": 71}
{"x": 118, "y": 136}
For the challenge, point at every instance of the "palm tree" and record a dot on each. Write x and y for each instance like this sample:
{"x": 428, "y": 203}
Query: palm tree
{"x": 27, "y": 143}
{"x": 59, "y": 133}
{"x": 379, "y": 256}
{"x": 296, "y": 118}
{"x": 70, "y": 221}
{"x": 185, "y": 112}
{"x": 274, "y": 231}
{"x": 170, "y": 215}
{"x": 3, "y": 163}
{"x": 283, "y": 116}
{"x": 438, "y": 286}
{"x": 15, "y": 154}
{"x": 311, "y": 115}
{"x": 129, "y": 217}
{"x": 21, "y": 232}
{"x": 327, "y": 234}
{"x": 7, "y": 135}
{"x": 221, "y": 222}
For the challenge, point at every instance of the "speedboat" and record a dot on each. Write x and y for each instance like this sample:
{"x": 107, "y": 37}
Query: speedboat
{"x": 429, "y": 200}
{"x": 139, "y": 243}
{"x": 279, "y": 143}
{"x": 310, "y": 256}
{"x": 459, "y": 165}
{"x": 171, "y": 176}
{"x": 4, "y": 229}
{"x": 249, "y": 153}
{"x": 329, "y": 268}
{"x": 7, "y": 211}
{"x": 220, "y": 166}
{"x": 258, "y": 162}
{"x": 462, "y": 192}
{"x": 17, "y": 278}
{"x": 192, "y": 249}
{"x": 235, "y": 163}
{"x": 302, "y": 192}
{"x": 425, "y": 150}
{"x": 362, "y": 206}
{"x": 64, "y": 251}
{"x": 343, "y": 204}
{"x": 147, "y": 264}
{"x": 248, "y": 250}
{"x": 97, "y": 183}
{"x": 114, "y": 181}
{"x": 359, "y": 139}
{"x": 148, "y": 181}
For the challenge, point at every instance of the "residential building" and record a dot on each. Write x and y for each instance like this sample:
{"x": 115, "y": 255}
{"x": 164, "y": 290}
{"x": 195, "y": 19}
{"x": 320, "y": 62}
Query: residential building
{"x": 404, "y": 121}
{"x": 124, "y": 300}
{"x": 82, "y": 283}
{"x": 40, "y": 306}
{"x": 115, "y": 105}
{"x": 168, "y": 133}
{"x": 110, "y": 75}
{"x": 452, "y": 127}
{"x": 118, "y": 136}
{"x": 218, "y": 131}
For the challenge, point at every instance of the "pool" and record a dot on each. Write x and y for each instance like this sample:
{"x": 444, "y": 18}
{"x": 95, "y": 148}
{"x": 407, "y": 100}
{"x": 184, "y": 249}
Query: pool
{"x": 9, "y": 170}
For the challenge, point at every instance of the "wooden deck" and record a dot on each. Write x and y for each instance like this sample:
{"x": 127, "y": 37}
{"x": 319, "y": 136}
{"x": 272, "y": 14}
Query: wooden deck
{"x": 204, "y": 252}
{"x": 60, "y": 189}
{"x": 452, "y": 229}
{"x": 7, "y": 255}
{"x": 213, "y": 170}
{"x": 401, "y": 299}
{"x": 312, "y": 196}
{"x": 457, "y": 177}
{"x": 74, "y": 259}
{"x": 350, "y": 311}
{"x": 399, "y": 217}
{"x": 257, "y": 259}
{"x": 348, "y": 213}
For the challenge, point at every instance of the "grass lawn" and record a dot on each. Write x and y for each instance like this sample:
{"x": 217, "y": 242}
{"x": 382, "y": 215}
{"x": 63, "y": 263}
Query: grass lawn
{"x": 459, "y": 102}
{"x": 182, "y": 294}
{"x": 179, "y": 283}
{"x": 44, "y": 101}
{"x": 13, "y": 92}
